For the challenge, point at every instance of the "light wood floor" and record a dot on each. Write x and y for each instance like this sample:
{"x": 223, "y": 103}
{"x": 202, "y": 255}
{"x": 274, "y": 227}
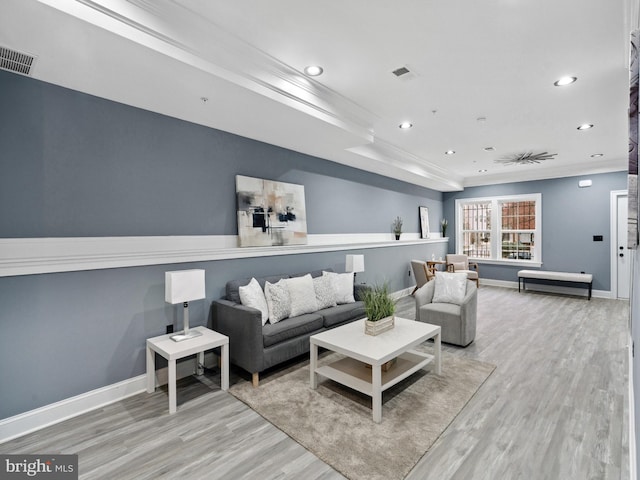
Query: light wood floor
{"x": 556, "y": 407}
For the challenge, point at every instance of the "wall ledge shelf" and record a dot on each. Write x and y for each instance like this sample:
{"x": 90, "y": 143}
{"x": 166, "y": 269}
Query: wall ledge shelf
{"x": 33, "y": 256}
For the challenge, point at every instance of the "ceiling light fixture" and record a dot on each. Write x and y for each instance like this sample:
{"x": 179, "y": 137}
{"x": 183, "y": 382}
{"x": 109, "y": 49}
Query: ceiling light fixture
{"x": 313, "y": 70}
{"x": 405, "y": 125}
{"x": 489, "y": 149}
{"x": 482, "y": 170}
{"x": 585, "y": 126}
{"x": 449, "y": 152}
{"x": 526, "y": 158}
{"x": 596, "y": 155}
{"x": 561, "y": 82}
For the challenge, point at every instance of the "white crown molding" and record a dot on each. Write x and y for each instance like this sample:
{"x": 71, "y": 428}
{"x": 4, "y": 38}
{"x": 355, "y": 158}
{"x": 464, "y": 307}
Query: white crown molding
{"x": 394, "y": 158}
{"x": 31, "y": 256}
{"x": 519, "y": 175}
{"x": 173, "y": 30}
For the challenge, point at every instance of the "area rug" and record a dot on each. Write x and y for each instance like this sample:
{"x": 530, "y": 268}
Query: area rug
{"x": 336, "y": 424}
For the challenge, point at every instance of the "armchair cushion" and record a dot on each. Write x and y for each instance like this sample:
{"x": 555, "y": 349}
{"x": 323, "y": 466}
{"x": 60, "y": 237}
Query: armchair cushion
{"x": 450, "y": 288}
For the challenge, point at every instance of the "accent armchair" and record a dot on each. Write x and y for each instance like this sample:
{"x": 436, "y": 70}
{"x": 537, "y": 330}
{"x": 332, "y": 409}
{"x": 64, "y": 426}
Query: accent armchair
{"x": 421, "y": 273}
{"x": 461, "y": 263}
{"x": 458, "y": 322}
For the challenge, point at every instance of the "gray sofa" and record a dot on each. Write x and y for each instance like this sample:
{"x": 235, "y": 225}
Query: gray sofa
{"x": 256, "y": 348}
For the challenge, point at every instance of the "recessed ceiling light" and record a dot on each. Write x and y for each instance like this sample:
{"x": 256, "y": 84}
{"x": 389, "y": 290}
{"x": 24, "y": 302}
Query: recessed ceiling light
{"x": 313, "y": 70}
{"x": 204, "y": 99}
{"x": 482, "y": 170}
{"x": 561, "y": 82}
{"x": 596, "y": 155}
{"x": 489, "y": 149}
{"x": 585, "y": 126}
{"x": 405, "y": 125}
{"x": 449, "y": 152}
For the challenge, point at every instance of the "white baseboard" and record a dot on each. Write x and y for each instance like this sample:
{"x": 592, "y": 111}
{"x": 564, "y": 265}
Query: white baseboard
{"x": 33, "y": 420}
{"x": 402, "y": 293}
{"x": 42, "y": 417}
{"x": 633, "y": 466}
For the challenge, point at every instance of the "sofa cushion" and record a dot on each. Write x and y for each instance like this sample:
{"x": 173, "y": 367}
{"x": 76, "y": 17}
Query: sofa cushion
{"x": 302, "y": 294}
{"x": 251, "y": 295}
{"x": 342, "y": 313}
{"x": 325, "y": 293}
{"x": 232, "y": 287}
{"x": 278, "y": 300}
{"x": 290, "y": 327}
{"x": 343, "y": 285}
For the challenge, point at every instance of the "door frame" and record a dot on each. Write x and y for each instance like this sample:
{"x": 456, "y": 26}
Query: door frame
{"x": 613, "y": 235}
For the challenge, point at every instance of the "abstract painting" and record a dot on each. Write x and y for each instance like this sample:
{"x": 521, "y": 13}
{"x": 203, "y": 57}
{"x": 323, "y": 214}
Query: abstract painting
{"x": 270, "y": 212}
{"x": 423, "y": 212}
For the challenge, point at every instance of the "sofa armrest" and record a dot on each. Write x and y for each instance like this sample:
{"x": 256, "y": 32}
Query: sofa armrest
{"x": 243, "y": 326}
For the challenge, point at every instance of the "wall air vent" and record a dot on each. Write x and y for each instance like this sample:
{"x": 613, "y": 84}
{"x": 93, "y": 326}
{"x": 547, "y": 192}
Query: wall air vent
{"x": 15, "y": 61}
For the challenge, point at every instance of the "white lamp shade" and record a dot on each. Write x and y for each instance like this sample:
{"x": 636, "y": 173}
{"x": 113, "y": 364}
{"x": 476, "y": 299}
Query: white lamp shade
{"x": 354, "y": 263}
{"x": 183, "y": 286}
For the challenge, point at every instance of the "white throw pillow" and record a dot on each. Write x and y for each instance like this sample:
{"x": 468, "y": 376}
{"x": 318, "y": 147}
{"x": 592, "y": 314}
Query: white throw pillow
{"x": 450, "y": 288}
{"x": 325, "y": 293}
{"x": 251, "y": 295}
{"x": 343, "y": 285}
{"x": 303, "y": 296}
{"x": 278, "y": 300}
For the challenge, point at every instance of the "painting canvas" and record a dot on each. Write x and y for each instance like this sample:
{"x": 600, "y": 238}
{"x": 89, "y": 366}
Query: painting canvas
{"x": 270, "y": 213}
{"x": 424, "y": 222}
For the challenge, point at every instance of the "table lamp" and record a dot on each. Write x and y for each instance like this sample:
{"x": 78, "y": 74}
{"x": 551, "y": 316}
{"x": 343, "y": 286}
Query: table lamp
{"x": 182, "y": 286}
{"x": 355, "y": 264}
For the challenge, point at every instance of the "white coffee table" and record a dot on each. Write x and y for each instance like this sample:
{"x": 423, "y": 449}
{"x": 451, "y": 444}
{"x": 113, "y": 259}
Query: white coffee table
{"x": 360, "y": 349}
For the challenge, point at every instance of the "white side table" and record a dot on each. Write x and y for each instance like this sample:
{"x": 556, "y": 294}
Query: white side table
{"x": 173, "y": 351}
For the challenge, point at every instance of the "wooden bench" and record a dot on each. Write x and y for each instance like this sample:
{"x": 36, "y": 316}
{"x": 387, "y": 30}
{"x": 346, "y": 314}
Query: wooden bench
{"x": 584, "y": 278}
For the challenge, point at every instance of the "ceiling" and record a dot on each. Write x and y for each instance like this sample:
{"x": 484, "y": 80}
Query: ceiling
{"x": 481, "y": 75}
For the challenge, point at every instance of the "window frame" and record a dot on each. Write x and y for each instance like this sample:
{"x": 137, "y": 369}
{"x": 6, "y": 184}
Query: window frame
{"x": 496, "y": 229}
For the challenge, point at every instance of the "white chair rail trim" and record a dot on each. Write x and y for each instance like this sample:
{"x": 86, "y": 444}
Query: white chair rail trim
{"x": 31, "y": 256}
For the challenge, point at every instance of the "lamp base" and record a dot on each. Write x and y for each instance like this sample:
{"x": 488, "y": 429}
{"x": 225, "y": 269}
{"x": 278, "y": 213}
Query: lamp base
{"x": 179, "y": 337}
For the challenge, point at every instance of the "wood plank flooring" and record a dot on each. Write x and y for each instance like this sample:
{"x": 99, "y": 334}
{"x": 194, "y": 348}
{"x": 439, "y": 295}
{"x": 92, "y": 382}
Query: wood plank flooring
{"x": 556, "y": 407}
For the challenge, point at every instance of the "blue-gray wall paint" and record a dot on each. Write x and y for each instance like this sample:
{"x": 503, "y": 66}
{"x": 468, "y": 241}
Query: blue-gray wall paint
{"x": 571, "y": 216}
{"x": 77, "y": 165}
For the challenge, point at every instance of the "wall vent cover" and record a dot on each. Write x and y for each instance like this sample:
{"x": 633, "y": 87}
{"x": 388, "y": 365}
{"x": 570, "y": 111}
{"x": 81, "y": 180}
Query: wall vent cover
{"x": 15, "y": 61}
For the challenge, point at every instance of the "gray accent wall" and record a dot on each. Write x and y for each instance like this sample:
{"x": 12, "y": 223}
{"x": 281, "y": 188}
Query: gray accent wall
{"x": 571, "y": 216}
{"x": 73, "y": 165}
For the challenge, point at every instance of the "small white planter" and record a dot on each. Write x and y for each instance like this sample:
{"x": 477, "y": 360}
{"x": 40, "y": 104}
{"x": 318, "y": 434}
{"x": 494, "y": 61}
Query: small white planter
{"x": 382, "y": 325}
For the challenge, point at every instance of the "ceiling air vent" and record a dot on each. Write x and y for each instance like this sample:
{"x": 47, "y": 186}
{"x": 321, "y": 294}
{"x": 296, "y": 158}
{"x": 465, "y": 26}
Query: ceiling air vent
{"x": 401, "y": 71}
{"x": 404, "y": 74}
{"x": 15, "y": 61}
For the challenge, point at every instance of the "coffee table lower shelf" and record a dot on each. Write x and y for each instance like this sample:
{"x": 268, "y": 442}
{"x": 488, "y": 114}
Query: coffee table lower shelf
{"x": 357, "y": 375}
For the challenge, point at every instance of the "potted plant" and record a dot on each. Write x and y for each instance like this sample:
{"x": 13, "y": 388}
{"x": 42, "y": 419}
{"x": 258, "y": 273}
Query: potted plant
{"x": 379, "y": 308}
{"x": 444, "y": 224}
{"x": 397, "y": 227}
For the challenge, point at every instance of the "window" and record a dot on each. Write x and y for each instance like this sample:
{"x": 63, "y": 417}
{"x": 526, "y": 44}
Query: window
{"x": 515, "y": 221}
